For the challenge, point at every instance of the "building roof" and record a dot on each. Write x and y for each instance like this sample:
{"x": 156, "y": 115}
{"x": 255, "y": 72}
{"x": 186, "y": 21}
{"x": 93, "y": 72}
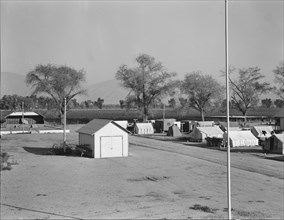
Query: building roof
{"x": 96, "y": 124}
{"x": 16, "y": 114}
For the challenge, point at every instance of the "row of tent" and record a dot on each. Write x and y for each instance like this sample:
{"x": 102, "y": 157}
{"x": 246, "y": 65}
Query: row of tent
{"x": 205, "y": 129}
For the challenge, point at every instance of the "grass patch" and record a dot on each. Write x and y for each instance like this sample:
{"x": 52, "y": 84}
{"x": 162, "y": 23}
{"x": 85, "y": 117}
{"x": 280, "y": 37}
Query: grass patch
{"x": 203, "y": 208}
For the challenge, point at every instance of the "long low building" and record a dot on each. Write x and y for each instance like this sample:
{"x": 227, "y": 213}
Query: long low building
{"x": 16, "y": 118}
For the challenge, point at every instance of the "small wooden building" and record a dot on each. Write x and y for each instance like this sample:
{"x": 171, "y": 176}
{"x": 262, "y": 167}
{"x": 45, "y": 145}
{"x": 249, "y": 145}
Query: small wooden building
{"x": 279, "y": 117}
{"x": 162, "y": 125}
{"x": 16, "y": 118}
{"x": 104, "y": 138}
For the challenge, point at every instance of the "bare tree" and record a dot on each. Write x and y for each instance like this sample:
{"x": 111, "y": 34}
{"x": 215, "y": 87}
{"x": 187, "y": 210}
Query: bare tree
{"x": 279, "y": 80}
{"x": 202, "y": 91}
{"x": 247, "y": 88}
{"x": 58, "y": 82}
{"x": 148, "y": 82}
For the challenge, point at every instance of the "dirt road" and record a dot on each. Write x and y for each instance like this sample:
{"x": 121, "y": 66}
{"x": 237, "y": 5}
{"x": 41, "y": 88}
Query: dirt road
{"x": 158, "y": 180}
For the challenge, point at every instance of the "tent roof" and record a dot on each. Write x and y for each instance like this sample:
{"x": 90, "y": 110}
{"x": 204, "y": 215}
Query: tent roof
{"x": 96, "y": 124}
{"x": 241, "y": 135}
{"x": 259, "y": 129}
{"x": 210, "y": 130}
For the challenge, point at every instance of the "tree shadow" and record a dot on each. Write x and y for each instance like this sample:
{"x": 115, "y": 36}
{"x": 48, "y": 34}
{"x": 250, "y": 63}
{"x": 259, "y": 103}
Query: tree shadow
{"x": 278, "y": 158}
{"x": 54, "y": 152}
{"x": 38, "y": 150}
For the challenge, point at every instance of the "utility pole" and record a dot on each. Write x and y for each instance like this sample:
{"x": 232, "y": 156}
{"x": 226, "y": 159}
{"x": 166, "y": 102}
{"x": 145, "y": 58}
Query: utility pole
{"x": 23, "y": 117}
{"x": 64, "y": 125}
{"x": 228, "y": 113}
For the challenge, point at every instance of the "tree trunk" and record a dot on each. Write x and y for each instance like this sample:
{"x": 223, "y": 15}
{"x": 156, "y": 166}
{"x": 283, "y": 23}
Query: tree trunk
{"x": 202, "y": 115}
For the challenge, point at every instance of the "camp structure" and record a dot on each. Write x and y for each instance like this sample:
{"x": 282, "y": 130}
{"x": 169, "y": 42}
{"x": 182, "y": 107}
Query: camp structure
{"x": 174, "y": 131}
{"x": 16, "y": 118}
{"x": 200, "y": 133}
{"x": 233, "y": 126}
{"x": 262, "y": 132}
{"x": 143, "y": 128}
{"x": 162, "y": 125}
{"x": 241, "y": 139}
{"x": 104, "y": 138}
{"x": 274, "y": 144}
{"x": 279, "y": 117}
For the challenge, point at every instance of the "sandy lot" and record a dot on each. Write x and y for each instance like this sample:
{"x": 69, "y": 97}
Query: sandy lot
{"x": 159, "y": 180}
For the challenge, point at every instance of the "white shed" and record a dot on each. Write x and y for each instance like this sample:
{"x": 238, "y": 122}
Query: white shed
{"x": 143, "y": 128}
{"x": 105, "y": 138}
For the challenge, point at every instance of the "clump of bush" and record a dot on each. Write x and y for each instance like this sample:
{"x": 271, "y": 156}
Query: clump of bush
{"x": 69, "y": 150}
{"x": 6, "y": 163}
{"x": 203, "y": 208}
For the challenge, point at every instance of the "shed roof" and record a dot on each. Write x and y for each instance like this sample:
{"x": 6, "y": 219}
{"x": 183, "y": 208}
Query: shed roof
{"x": 96, "y": 124}
{"x": 15, "y": 114}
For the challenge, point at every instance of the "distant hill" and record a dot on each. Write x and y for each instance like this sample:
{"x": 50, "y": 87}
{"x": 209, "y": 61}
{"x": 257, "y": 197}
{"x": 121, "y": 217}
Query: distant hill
{"x": 111, "y": 91}
{"x": 13, "y": 83}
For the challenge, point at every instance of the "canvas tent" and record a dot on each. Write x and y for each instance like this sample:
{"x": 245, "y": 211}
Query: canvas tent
{"x": 174, "y": 131}
{"x": 274, "y": 144}
{"x": 241, "y": 138}
{"x": 262, "y": 131}
{"x": 200, "y": 133}
{"x": 104, "y": 138}
{"x": 143, "y": 128}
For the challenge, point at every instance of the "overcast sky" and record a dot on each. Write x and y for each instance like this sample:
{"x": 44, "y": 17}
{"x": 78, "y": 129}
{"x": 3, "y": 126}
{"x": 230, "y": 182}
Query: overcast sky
{"x": 99, "y": 36}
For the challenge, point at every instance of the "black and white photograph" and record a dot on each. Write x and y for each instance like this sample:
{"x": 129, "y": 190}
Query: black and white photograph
{"x": 162, "y": 109}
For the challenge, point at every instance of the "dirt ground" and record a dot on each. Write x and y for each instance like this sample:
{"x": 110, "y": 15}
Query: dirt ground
{"x": 159, "y": 180}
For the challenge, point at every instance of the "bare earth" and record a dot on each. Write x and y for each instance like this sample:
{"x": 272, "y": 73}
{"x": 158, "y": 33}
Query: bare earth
{"x": 159, "y": 180}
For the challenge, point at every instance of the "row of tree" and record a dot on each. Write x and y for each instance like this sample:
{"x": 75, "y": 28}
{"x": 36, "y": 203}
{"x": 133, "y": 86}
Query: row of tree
{"x": 18, "y": 103}
{"x": 149, "y": 82}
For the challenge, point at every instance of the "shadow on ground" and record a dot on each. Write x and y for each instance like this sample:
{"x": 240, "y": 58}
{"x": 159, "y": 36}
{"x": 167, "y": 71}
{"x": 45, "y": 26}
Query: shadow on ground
{"x": 55, "y": 152}
{"x": 38, "y": 150}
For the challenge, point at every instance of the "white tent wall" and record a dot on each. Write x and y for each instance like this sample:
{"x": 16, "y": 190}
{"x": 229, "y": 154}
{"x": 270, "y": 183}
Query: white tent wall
{"x": 143, "y": 128}
{"x": 241, "y": 138}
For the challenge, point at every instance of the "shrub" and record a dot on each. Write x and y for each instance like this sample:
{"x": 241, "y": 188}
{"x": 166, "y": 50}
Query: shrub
{"x": 6, "y": 164}
{"x": 61, "y": 149}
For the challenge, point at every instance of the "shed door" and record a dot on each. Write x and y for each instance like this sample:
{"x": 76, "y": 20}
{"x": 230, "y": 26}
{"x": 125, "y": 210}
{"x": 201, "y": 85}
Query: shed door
{"x": 111, "y": 146}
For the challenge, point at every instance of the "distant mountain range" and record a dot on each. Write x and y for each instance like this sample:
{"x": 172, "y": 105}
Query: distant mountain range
{"x": 110, "y": 91}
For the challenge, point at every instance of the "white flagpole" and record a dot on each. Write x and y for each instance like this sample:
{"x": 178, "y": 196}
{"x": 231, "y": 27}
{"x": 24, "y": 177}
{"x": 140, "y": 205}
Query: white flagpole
{"x": 64, "y": 126}
{"x": 228, "y": 108}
